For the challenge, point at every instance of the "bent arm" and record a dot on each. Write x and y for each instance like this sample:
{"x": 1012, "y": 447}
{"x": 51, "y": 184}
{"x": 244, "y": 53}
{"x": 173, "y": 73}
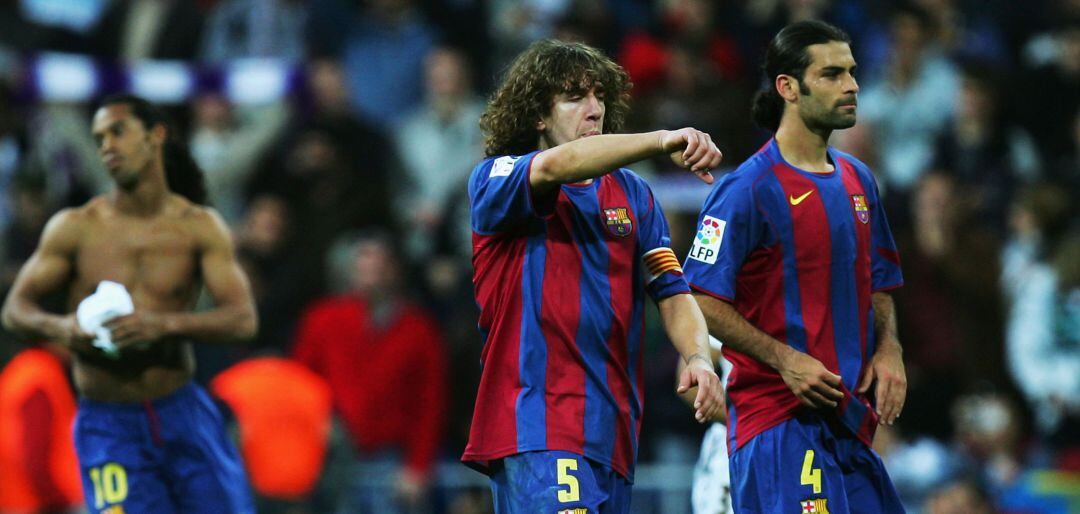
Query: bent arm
{"x": 233, "y": 318}
{"x": 47, "y": 271}
{"x": 727, "y": 325}
{"x": 807, "y": 378}
{"x": 685, "y": 326}
{"x": 591, "y": 157}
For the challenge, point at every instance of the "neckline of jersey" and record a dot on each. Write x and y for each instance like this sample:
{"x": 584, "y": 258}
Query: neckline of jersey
{"x": 774, "y": 147}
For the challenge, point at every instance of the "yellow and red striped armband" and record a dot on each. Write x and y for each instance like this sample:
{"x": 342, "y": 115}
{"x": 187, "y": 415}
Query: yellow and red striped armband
{"x": 659, "y": 261}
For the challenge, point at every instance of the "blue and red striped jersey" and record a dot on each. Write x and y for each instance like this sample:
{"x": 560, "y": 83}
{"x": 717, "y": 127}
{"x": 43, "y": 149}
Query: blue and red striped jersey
{"x": 798, "y": 254}
{"x": 560, "y": 281}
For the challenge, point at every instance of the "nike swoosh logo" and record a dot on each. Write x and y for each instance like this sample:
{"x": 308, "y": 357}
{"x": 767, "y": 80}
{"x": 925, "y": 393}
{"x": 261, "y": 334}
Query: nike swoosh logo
{"x": 797, "y": 201}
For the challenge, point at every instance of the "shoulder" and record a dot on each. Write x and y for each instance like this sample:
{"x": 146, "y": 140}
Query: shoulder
{"x": 495, "y": 166}
{"x": 861, "y": 169}
{"x": 859, "y": 166}
{"x": 748, "y": 174}
{"x": 64, "y": 229}
{"x": 203, "y": 222}
{"x": 199, "y": 216}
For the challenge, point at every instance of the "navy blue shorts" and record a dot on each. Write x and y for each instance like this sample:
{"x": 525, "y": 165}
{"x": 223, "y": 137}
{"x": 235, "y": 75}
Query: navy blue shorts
{"x": 803, "y": 465}
{"x": 170, "y": 455}
{"x": 557, "y": 482}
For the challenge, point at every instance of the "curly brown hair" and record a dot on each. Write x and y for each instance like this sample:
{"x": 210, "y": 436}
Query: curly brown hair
{"x": 543, "y": 70}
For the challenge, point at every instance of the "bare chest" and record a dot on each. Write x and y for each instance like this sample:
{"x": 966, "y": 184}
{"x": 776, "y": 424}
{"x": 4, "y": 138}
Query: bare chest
{"x": 155, "y": 259}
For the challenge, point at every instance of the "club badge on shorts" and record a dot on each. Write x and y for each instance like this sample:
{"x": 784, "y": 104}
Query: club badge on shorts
{"x": 817, "y": 506}
{"x": 618, "y": 221}
{"x": 862, "y": 212}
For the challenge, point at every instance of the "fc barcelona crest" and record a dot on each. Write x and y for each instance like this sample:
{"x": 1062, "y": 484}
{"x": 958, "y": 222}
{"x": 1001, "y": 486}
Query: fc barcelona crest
{"x": 618, "y": 221}
{"x": 862, "y": 212}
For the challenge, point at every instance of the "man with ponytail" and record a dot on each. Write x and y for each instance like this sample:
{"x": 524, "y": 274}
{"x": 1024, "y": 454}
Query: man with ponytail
{"x": 791, "y": 266}
{"x": 148, "y": 439}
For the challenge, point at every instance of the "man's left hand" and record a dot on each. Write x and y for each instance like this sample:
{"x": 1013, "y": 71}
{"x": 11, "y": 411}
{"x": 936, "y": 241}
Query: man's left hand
{"x": 887, "y": 369}
{"x": 710, "y": 396}
{"x": 135, "y": 328}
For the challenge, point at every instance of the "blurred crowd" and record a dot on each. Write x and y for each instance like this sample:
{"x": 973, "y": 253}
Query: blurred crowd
{"x": 347, "y": 201}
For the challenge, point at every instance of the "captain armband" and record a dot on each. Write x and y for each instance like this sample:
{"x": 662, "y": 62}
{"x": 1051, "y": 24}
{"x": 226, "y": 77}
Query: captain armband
{"x": 659, "y": 261}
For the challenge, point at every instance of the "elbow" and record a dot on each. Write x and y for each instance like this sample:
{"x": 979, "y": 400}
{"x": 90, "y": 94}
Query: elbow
{"x": 543, "y": 171}
{"x": 247, "y": 327}
{"x": 9, "y": 319}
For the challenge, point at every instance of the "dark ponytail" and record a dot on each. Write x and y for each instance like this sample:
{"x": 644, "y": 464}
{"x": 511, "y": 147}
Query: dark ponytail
{"x": 787, "y": 55}
{"x": 182, "y": 174}
{"x": 768, "y": 109}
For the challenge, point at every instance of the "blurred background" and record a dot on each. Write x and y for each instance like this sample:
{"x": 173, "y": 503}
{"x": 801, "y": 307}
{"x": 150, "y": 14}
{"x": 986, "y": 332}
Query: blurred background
{"x": 337, "y": 136}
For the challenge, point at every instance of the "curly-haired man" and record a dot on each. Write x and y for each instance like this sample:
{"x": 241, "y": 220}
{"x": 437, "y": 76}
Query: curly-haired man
{"x": 566, "y": 244}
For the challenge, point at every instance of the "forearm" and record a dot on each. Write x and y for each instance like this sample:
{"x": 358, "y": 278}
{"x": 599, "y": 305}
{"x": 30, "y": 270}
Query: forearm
{"x": 29, "y": 320}
{"x": 685, "y": 326}
{"x": 225, "y": 324}
{"x": 591, "y": 157}
{"x": 726, "y": 324}
{"x": 885, "y": 319}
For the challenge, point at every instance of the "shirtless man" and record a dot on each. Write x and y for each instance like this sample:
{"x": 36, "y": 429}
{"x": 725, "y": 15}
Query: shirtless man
{"x": 148, "y": 439}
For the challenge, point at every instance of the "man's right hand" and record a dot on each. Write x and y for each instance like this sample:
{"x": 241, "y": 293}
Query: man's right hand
{"x": 692, "y": 149}
{"x": 810, "y": 380}
{"x": 75, "y": 338}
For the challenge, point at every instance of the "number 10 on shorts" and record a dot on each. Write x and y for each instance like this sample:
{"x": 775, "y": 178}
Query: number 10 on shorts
{"x": 110, "y": 484}
{"x": 810, "y": 476}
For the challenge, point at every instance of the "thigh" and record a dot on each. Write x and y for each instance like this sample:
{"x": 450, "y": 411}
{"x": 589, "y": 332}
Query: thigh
{"x": 791, "y": 467}
{"x": 120, "y": 472}
{"x": 867, "y": 484}
{"x": 618, "y": 490}
{"x": 546, "y": 481}
{"x": 204, "y": 467}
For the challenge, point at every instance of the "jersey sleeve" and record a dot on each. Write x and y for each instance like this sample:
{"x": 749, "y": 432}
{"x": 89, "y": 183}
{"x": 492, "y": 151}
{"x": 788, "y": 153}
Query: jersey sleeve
{"x": 729, "y": 228}
{"x": 884, "y": 258}
{"x": 663, "y": 274}
{"x": 500, "y": 194}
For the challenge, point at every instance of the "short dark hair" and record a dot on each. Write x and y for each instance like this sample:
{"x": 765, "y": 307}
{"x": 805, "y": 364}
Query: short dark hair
{"x": 787, "y": 55}
{"x": 182, "y": 173}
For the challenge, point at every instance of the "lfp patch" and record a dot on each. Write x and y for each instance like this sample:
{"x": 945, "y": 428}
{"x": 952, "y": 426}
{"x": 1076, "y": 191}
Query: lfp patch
{"x": 862, "y": 212}
{"x": 707, "y": 241}
{"x": 618, "y": 221}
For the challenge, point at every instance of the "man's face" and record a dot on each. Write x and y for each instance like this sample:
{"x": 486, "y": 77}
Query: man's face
{"x": 374, "y": 269}
{"x": 125, "y": 146}
{"x": 573, "y": 115}
{"x": 828, "y": 95}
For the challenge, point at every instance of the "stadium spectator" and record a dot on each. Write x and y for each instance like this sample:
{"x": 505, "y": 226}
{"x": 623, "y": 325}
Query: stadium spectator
{"x": 241, "y": 29}
{"x": 227, "y": 142}
{"x": 134, "y": 30}
{"x": 438, "y": 144}
{"x": 910, "y": 103}
{"x": 1042, "y": 335}
{"x": 384, "y": 360}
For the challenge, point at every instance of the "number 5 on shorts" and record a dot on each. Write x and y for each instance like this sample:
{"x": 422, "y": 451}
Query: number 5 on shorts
{"x": 810, "y": 476}
{"x": 572, "y": 494}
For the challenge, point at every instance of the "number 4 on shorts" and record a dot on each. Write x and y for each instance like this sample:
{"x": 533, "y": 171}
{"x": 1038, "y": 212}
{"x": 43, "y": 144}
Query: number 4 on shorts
{"x": 809, "y": 475}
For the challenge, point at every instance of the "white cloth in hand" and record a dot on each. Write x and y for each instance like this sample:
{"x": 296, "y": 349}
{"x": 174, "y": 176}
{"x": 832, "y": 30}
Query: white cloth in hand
{"x": 111, "y": 300}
